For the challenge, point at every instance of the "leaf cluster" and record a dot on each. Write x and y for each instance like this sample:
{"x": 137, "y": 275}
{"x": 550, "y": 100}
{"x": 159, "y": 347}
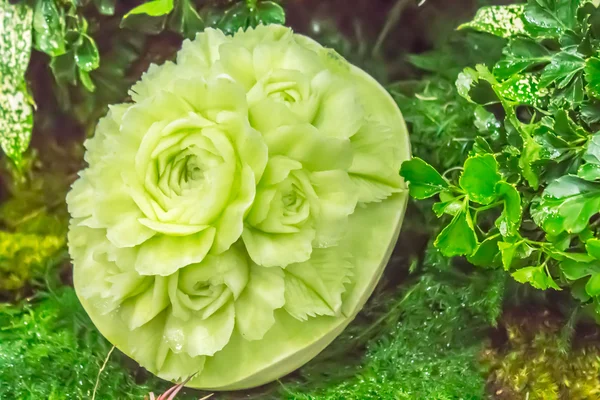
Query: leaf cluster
{"x": 442, "y": 123}
{"x": 62, "y": 32}
{"x": 120, "y": 51}
{"x": 527, "y": 197}
{"x": 182, "y": 17}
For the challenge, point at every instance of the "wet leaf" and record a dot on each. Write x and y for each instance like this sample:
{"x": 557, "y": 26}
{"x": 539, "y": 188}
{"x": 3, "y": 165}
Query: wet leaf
{"x": 592, "y": 76}
{"x": 536, "y": 277}
{"x": 105, "y": 7}
{"x": 509, "y": 221}
{"x": 49, "y": 28}
{"x": 269, "y": 12}
{"x": 593, "y": 248}
{"x": 507, "y": 251}
{"x": 424, "y": 181}
{"x": 185, "y": 19}
{"x": 529, "y": 156}
{"x": 479, "y": 178}
{"x": 469, "y": 77}
{"x": 575, "y": 270}
{"x": 563, "y": 68}
{"x": 550, "y": 19}
{"x": 567, "y": 205}
{"x": 521, "y": 54}
{"x": 486, "y": 253}
{"x": 153, "y": 8}
{"x": 86, "y": 55}
{"x": 458, "y": 238}
{"x": 235, "y": 18}
{"x": 523, "y": 90}
{"x": 589, "y": 172}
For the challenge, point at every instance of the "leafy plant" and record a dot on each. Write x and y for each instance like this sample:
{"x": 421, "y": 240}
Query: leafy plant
{"x": 61, "y": 31}
{"x": 251, "y": 13}
{"x": 121, "y": 50}
{"x": 419, "y": 341}
{"x": 526, "y": 198}
{"x": 444, "y": 125}
{"x": 181, "y": 16}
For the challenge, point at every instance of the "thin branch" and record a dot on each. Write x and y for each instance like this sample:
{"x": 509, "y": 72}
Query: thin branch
{"x": 100, "y": 372}
{"x": 393, "y": 18}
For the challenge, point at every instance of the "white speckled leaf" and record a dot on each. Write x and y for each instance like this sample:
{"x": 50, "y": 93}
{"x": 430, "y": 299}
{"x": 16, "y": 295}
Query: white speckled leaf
{"x": 503, "y": 21}
{"x": 16, "y": 117}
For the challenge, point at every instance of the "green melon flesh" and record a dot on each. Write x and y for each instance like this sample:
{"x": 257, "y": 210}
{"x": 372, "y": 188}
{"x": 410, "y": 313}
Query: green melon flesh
{"x": 372, "y": 233}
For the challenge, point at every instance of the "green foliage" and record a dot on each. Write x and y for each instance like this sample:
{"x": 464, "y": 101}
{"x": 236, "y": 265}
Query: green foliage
{"x": 181, "y": 16}
{"x": 251, "y": 13}
{"x": 153, "y": 8}
{"x": 422, "y": 343}
{"x": 533, "y": 365}
{"x": 532, "y": 111}
{"x": 16, "y": 117}
{"x": 51, "y": 351}
{"x": 527, "y": 197}
{"x": 152, "y": 17}
{"x": 443, "y": 125}
{"x": 120, "y": 50}
{"x": 427, "y": 181}
{"x": 61, "y": 31}
{"x": 480, "y": 188}
{"x": 503, "y": 21}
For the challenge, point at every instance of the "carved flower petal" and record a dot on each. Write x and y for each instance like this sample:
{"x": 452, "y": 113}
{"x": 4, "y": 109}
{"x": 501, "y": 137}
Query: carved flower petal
{"x": 172, "y": 229}
{"x": 304, "y": 143}
{"x": 231, "y": 224}
{"x": 337, "y": 201}
{"x": 263, "y": 294}
{"x": 200, "y": 337}
{"x": 315, "y": 287}
{"x": 278, "y": 250}
{"x": 162, "y": 255}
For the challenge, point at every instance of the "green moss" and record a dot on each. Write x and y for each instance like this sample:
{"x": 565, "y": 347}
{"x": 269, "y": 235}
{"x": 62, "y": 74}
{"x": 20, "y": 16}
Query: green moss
{"x": 533, "y": 363}
{"x": 34, "y": 218}
{"x": 23, "y": 255}
{"x": 51, "y": 351}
